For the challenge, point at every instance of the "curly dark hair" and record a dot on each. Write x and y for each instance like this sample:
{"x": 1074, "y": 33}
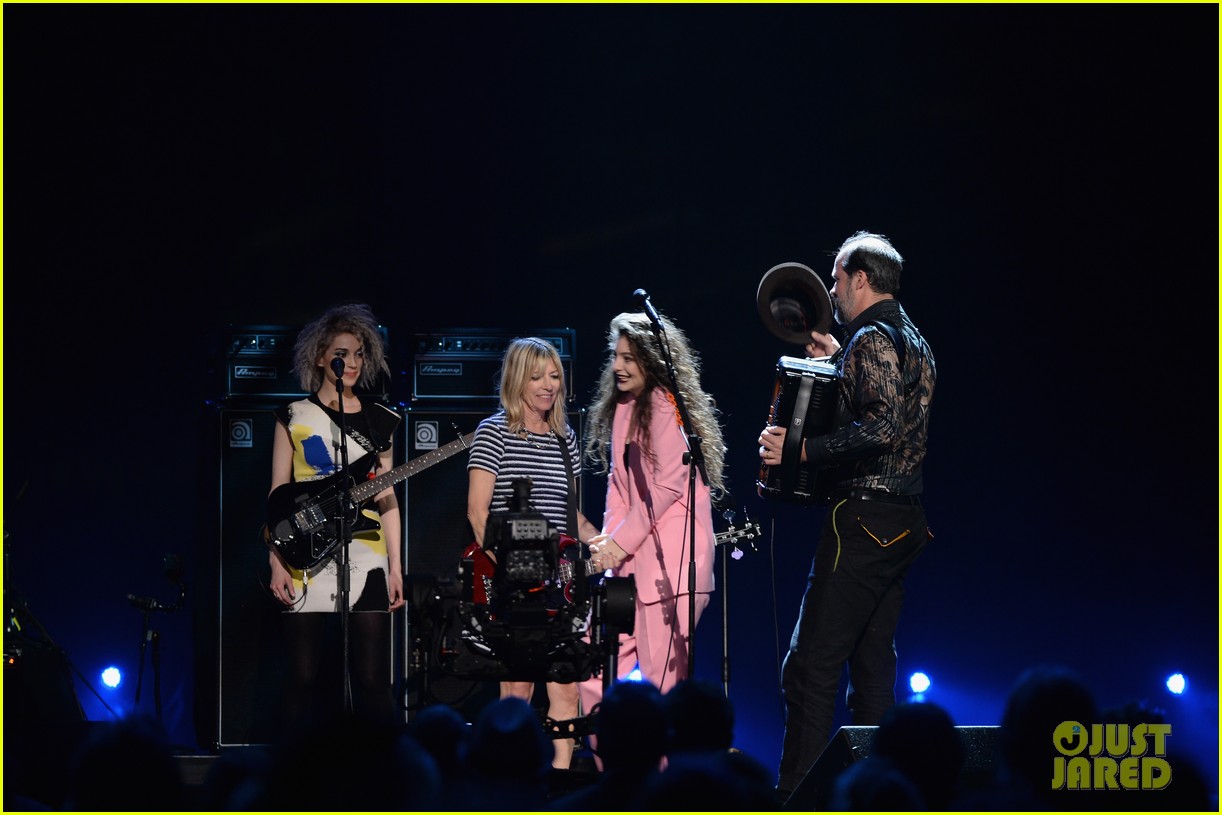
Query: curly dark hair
{"x": 354, "y": 318}
{"x": 700, "y": 406}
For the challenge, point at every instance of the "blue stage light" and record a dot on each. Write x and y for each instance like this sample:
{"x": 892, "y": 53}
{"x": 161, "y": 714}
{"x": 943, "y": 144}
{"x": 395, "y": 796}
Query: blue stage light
{"x": 919, "y": 682}
{"x": 1177, "y": 684}
{"x": 112, "y": 677}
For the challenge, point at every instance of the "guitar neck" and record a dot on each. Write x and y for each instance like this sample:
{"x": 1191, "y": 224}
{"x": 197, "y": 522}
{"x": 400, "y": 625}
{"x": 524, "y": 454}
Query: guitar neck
{"x": 567, "y": 569}
{"x": 749, "y": 532}
{"x": 367, "y": 489}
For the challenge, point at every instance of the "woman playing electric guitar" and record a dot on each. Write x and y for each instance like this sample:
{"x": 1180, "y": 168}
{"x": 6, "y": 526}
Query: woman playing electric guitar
{"x": 530, "y": 437}
{"x": 344, "y": 344}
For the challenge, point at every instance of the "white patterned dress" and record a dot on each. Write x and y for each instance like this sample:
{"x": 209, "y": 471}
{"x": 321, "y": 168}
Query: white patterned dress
{"x": 315, "y": 432}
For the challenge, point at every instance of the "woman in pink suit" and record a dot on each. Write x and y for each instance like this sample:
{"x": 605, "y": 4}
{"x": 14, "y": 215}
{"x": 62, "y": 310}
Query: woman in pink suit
{"x": 636, "y": 435}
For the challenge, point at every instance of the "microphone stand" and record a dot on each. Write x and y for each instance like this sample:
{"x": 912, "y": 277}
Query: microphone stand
{"x": 694, "y": 458}
{"x": 729, "y": 550}
{"x": 147, "y": 606}
{"x": 148, "y": 636}
{"x": 345, "y": 503}
{"x": 725, "y": 618}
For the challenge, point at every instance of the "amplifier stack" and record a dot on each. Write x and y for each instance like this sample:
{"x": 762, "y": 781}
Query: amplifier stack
{"x": 464, "y": 364}
{"x": 259, "y": 363}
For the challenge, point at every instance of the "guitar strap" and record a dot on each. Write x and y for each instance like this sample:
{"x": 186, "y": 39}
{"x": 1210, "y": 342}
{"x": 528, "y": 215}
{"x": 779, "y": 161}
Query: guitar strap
{"x": 360, "y": 439}
{"x": 369, "y": 445}
{"x": 568, "y": 468}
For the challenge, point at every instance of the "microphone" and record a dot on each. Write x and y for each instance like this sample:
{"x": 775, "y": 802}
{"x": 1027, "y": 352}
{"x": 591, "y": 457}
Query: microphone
{"x": 642, "y": 301}
{"x": 337, "y": 369}
{"x": 146, "y": 603}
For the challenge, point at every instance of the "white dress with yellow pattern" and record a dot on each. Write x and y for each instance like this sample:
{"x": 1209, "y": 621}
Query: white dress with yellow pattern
{"x": 315, "y": 432}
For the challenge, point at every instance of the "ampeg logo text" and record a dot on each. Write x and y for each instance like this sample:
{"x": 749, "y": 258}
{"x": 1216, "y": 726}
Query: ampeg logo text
{"x": 441, "y": 369}
{"x": 1110, "y": 757}
{"x": 253, "y": 372}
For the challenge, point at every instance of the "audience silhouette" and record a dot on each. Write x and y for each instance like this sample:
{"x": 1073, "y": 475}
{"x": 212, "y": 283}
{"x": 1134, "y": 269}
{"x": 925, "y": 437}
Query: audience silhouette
{"x": 507, "y": 758}
{"x": 658, "y": 753}
{"x": 701, "y": 716}
{"x": 874, "y": 784}
{"x": 632, "y": 735}
{"x": 234, "y": 780}
{"x": 123, "y": 766}
{"x": 709, "y": 781}
{"x": 1041, "y": 698}
{"x": 1188, "y": 791}
{"x": 920, "y": 740}
{"x": 443, "y": 732}
{"x": 346, "y": 762}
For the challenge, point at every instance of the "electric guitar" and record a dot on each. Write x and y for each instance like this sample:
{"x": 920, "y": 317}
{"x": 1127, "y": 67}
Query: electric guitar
{"x": 483, "y": 569}
{"x": 303, "y": 516}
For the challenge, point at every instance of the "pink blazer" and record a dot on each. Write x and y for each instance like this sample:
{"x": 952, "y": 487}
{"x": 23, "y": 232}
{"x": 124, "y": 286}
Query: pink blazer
{"x": 647, "y": 505}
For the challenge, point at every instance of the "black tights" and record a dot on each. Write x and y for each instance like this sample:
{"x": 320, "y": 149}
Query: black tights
{"x": 313, "y": 678}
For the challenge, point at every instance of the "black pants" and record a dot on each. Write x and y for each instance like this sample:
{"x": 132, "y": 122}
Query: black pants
{"x": 849, "y": 615}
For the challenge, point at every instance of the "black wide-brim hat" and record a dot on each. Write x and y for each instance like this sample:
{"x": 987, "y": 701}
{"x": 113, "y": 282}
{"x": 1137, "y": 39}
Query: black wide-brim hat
{"x": 793, "y": 301}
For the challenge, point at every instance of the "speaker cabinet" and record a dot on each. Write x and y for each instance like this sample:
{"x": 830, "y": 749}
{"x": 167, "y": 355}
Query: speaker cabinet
{"x": 241, "y": 664}
{"x": 852, "y": 744}
{"x": 435, "y": 526}
{"x": 435, "y": 533}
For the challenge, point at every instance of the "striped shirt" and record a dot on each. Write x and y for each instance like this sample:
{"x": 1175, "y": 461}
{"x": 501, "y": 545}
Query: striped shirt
{"x": 508, "y": 456}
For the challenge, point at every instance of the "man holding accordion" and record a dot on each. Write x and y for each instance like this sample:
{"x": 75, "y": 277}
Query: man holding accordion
{"x": 874, "y": 528}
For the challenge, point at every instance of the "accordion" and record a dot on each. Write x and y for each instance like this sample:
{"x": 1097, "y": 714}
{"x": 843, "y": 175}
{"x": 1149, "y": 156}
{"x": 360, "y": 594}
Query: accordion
{"x": 803, "y": 402}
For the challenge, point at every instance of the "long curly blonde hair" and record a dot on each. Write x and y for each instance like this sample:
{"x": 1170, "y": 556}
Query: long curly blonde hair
{"x": 354, "y": 318}
{"x": 646, "y": 347}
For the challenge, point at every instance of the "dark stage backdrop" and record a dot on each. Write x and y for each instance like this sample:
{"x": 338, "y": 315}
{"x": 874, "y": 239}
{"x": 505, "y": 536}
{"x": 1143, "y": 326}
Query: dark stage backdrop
{"x": 1049, "y": 173}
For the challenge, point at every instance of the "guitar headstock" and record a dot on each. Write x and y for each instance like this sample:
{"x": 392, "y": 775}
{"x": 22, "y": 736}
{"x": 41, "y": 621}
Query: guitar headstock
{"x": 748, "y": 532}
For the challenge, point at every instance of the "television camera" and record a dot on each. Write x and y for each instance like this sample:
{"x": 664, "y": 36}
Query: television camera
{"x": 525, "y": 606}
